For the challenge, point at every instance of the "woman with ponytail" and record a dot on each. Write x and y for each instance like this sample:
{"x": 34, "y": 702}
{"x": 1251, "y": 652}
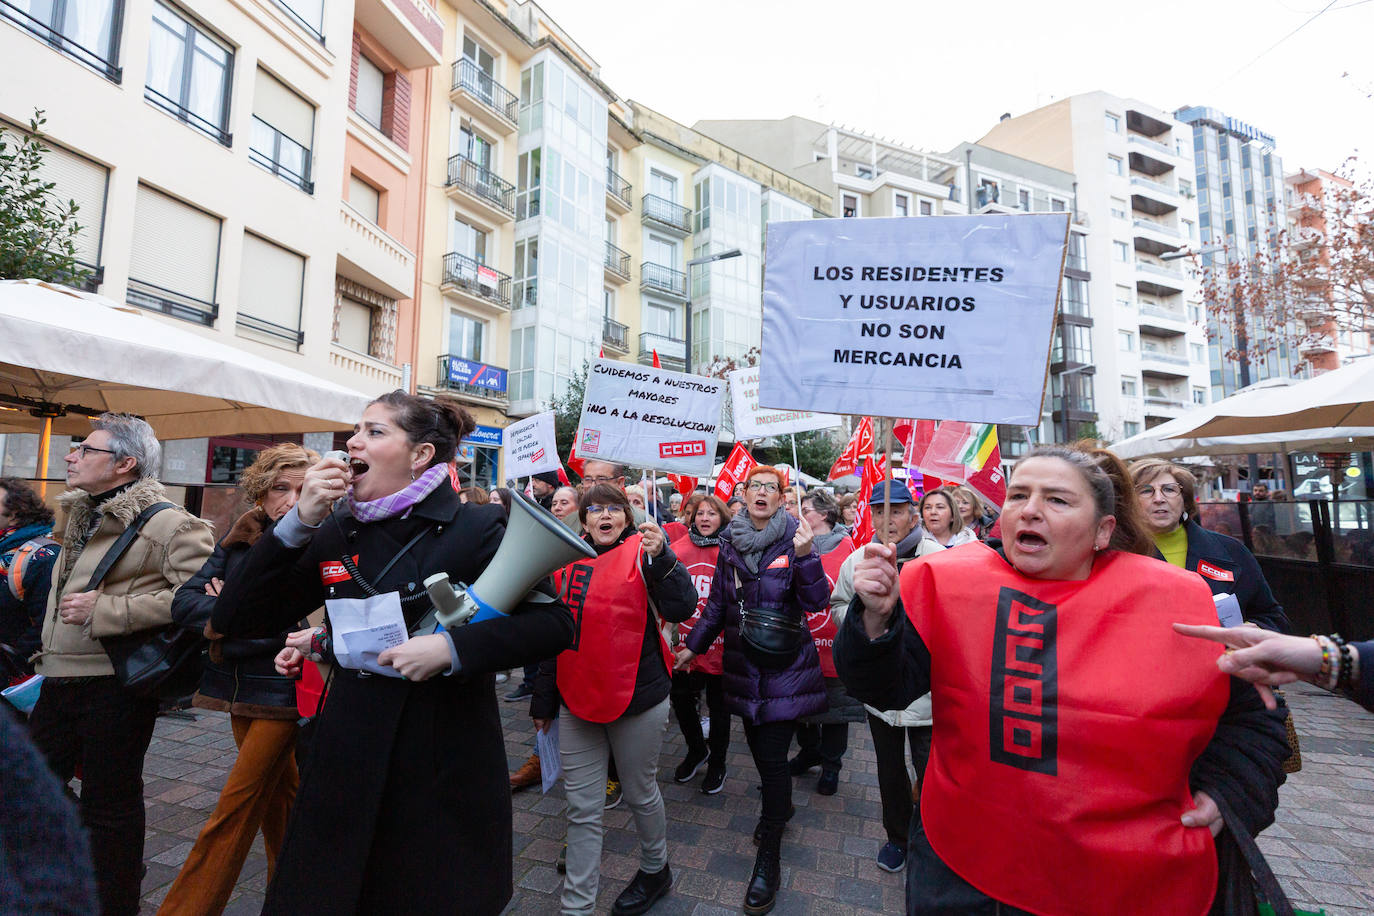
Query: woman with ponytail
{"x": 1083, "y": 751}
{"x": 403, "y": 804}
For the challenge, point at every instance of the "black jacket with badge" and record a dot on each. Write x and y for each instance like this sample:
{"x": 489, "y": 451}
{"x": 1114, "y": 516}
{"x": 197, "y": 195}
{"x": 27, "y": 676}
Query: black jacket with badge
{"x": 405, "y": 806}
{"x": 1216, "y": 557}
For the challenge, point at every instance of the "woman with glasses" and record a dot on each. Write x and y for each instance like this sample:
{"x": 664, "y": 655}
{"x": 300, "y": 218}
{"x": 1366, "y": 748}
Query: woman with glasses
{"x": 767, "y": 560}
{"x": 1168, "y": 502}
{"x": 612, "y": 686}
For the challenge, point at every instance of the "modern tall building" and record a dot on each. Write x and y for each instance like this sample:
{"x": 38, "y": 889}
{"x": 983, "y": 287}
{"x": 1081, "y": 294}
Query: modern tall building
{"x": 1134, "y": 168}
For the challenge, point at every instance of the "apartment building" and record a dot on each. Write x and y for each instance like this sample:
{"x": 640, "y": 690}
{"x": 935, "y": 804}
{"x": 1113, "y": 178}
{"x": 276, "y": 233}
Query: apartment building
{"x": 1128, "y": 159}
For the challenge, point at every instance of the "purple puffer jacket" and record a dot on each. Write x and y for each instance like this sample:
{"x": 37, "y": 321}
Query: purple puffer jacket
{"x": 755, "y": 694}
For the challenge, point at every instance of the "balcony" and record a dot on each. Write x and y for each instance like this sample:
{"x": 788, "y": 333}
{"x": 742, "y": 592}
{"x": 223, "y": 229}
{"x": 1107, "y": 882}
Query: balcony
{"x": 618, "y": 192}
{"x": 663, "y": 213}
{"x": 409, "y": 29}
{"x": 472, "y": 380}
{"x": 1306, "y": 237}
{"x": 1163, "y": 364}
{"x": 1154, "y": 146}
{"x": 497, "y": 106}
{"x": 1157, "y": 280}
{"x": 1166, "y": 407}
{"x": 465, "y": 277}
{"x": 1148, "y": 162}
{"x": 468, "y": 180}
{"x": 1156, "y": 238}
{"x": 45, "y": 32}
{"x": 169, "y": 302}
{"x": 655, "y": 278}
{"x": 366, "y": 373}
{"x": 1316, "y": 345}
{"x": 672, "y": 352}
{"x": 617, "y": 264}
{"x": 369, "y": 256}
{"x": 615, "y": 336}
{"x": 1164, "y": 322}
{"x": 1153, "y": 197}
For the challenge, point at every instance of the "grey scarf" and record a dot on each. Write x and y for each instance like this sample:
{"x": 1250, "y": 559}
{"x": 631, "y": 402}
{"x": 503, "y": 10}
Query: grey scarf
{"x": 750, "y": 542}
{"x": 907, "y": 546}
{"x": 824, "y": 543}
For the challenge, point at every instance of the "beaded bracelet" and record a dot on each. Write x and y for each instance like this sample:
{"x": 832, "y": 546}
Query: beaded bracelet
{"x": 1347, "y": 663}
{"x": 1323, "y": 678}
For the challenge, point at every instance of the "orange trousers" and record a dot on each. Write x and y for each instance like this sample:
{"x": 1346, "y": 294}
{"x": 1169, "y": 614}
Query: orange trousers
{"x": 258, "y": 795}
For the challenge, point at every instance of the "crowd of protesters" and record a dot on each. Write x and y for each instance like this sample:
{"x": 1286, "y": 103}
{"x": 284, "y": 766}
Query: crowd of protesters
{"x": 764, "y": 603}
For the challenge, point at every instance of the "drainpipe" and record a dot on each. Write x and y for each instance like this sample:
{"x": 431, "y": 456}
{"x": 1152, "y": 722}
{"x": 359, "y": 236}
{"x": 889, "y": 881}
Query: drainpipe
{"x": 968, "y": 178}
{"x": 408, "y": 378}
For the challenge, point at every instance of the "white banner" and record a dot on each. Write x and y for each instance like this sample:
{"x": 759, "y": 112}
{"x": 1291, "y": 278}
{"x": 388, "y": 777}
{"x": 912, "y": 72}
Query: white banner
{"x": 753, "y": 422}
{"x": 531, "y": 447}
{"x": 944, "y": 317}
{"x": 650, "y": 418}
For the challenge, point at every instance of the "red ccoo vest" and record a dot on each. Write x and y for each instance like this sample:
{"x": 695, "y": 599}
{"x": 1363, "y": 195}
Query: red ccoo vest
{"x": 609, "y": 603}
{"x": 1067, "y": 718}
{"x": 822, "y": 625}
{"x": 701, "y": 566}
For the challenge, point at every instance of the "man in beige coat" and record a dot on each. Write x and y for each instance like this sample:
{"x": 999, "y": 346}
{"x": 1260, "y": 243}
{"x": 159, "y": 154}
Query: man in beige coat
{"x": 83, "y": 717}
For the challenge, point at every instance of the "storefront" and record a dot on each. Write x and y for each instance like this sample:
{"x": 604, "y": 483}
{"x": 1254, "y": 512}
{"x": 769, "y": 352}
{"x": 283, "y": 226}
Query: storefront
{"x": 479, "y": 457}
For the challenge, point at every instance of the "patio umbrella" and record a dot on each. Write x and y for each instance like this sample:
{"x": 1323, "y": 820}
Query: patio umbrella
{"x": 1340, "y": 398}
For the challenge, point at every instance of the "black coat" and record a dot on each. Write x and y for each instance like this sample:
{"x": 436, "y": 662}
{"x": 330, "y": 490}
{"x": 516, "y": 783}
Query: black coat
{"x": 1257, "y": 602}
{"x": 405, "y": 803}
{"x": 240, "y": 675}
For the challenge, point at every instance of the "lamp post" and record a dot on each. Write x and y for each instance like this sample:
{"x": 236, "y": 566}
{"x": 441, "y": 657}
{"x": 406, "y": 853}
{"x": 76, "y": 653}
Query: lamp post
{"x": 704, "y": 259}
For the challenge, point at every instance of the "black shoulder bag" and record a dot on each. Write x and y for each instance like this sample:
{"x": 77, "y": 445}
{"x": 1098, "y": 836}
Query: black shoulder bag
{"x": 161, "y": 662}
{"x": 771, "y": 637}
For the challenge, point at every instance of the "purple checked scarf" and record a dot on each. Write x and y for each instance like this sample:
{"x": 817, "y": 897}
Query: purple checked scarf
{"x": 400, "y": 502}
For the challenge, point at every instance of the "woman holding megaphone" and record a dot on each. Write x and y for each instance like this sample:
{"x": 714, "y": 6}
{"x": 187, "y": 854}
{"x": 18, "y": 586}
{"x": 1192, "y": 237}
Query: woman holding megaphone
{"x": 402, "y": 805}
{"x": 613, "y": 684}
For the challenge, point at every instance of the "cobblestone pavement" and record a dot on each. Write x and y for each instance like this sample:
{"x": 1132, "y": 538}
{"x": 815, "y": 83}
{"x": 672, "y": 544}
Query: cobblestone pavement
{"x": 1322, "y": 845}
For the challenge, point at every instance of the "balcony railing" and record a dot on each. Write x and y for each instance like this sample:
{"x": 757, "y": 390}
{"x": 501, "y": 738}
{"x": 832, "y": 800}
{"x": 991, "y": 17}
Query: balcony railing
{"x": 476, "y": 279}
{"x": 1158, "y": 187}
{"x": 312, "y": 28}
{"x": 46, "y": 32}
{"x": 262, "y": 326}
{"x": 470, "y": 78}
{"x": 1149, "y": 144}
{"x": 618, "y": 188}
{"x": 168, "y": 302}
{"x": 672, "y": 349}
{"x": 617, "y": 261}
{"x": 175, "y": 109}
{"x": 470, "y": 377}
{"x": 1159, "y": 269}
{"x": 1153, "y": 226}
{"x": 1159, "y": 312}
{"x": 280, "y": 155}
{"x": 481, "y": 182}
{"x": 664, "y": 279}
{"x": 1168, "y": 403}
{"x": 615, "y": 335}
{"x": 665, "y": 212}
{"x": 1160, "y": 356}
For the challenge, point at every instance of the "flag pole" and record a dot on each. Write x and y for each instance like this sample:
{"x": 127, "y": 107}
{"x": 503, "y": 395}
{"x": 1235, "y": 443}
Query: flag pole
{"x": 881, "y": 437}
{"x": 796, "y": 469}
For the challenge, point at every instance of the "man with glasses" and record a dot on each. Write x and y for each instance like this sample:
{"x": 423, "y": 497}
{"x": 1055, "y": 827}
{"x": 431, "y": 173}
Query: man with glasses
{"x": 83, "y": 716}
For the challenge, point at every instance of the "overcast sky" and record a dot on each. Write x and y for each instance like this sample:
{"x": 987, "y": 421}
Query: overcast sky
{"x": 934, "y": 74}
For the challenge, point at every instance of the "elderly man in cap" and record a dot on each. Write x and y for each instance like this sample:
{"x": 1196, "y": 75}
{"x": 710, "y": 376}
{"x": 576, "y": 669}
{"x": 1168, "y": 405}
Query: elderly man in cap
{"x": 891, "y": 729}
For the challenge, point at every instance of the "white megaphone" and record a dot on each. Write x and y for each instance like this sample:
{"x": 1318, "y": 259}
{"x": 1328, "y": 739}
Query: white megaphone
{"x": 535, "y": 545}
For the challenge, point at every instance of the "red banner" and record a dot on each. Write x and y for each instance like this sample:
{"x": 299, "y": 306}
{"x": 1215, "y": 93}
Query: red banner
{"x": 684, "y": 485}
{"x": 575, "y": 464}
{"x": 875, "y": 471}
{"x": 859, "y": 447}
{"x": 736, "y": 468}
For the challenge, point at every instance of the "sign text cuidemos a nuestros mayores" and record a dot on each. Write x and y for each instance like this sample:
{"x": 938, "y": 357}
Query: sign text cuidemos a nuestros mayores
{"x": 650, "y": 418}
{"x": 947, "y": 317}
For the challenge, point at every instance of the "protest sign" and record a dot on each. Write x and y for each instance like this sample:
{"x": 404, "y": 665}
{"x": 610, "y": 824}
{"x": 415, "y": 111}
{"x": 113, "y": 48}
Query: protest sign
{"x": 754, "y": 422}
{"x": 531, "y": 447}
{"x": 650, "y": 418}
{"x": 947, "y": 317}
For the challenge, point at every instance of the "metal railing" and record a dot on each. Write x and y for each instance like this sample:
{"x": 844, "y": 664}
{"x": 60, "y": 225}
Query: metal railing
{"x": 1161, "y": 312}
{"x": 442, "y": 380}
{"x": 169, "y": 302}
{"x": 1163, "y": 271}
{"x": 618, "y": 188}
{"x": 667, "y": 348}
{"x": 477, "y": 279}
{"x": 314, "y": 30}
{"x": 1141, "y": 181}
{"x": 1162, "y": 357}
{"x": 472, "y": 79}
{"x": 61, "y": 42}
{"x": 481, "y": 182}
{"x": 280, "y": 146}
{"x": 1157, "y": 227}
{"x": 177, "y": 110}
{"x": 664, "y": 279}
{"x": 615, "y": 335}
{"x": 1166, "y": 402}
{"x": 664, "y": 211}
{"x": 271, "y": 328}
{"x": 1149, "y": 144}
{"x": 617, "y": 261}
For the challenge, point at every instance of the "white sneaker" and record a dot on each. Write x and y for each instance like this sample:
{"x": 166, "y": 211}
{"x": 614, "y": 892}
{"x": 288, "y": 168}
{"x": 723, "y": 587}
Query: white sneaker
{"x": 502, "y": 677}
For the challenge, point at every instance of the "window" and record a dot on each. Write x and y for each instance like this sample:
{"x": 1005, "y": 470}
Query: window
{"x": 526, "y": 273}
{"x": 849, "y": 206}
{"x": 466, "y": 336}
{"x": 1125, "y": 341}
{"x": 901, "y": 205}
{"x": 81, "y": 180}
{"x": 309, "y": 13}
{"x": 355, "y": 325}
{"x": 1078, "y": 252}
{"x": 1124, "y": 298}
{"x": 1121, "y": 251}
{"x": 1195, "y": 312}
{"x": 371, "y": 83}
{"x": 988, "y": 192}
{"x": 283, "y": 125}
{"x": 1130, "y": 428}
{"x": 1185, "y": 187}
{"x": 1075, "y": 297}
{"x": 471, "y": 145}
{"x": 480, "y": 57}
{"x": 1057, "y": 205}
{"x": 527, "y": 178}
{"x": 1190, "y": 229}
{"x": 608, "y": 303}
{"x": 661, "y": 320}
{"x": 926, "y": 208}
{"x": 661, "y": 185}
{"x": 1199, "y": 395}
{"x": 189, "y": 73}
{"x": 1023, "y": 199}
{"x": 1113, "y": 123}
{"x": 1128, "y": 386}
{"x": 1118, "y": 208}
{"x": 863, "y": 171}
{"x": 364, "y": 198}
{"x": 271, "y": 286}
{"x": 87, "y": 30}
{"x": 1197, "y": 352}
{"x": 174, "y": 258}
{"x": 1114, "y": 166}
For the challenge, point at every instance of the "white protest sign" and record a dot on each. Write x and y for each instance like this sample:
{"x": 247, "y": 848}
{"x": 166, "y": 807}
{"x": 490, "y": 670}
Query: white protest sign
{"x": 530, "y": 446}
{"x": 650, "y": 418}
{"x": 945, "y": 317}
{"x": 754, "y": 422}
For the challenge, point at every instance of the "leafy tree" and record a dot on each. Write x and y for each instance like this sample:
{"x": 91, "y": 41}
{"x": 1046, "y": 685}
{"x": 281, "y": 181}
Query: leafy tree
{"x": 37, "y": 228}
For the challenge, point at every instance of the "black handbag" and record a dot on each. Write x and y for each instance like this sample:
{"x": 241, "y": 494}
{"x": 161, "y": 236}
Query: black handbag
{"x": 162, "y": 662}
{"x": 771, "y": 637}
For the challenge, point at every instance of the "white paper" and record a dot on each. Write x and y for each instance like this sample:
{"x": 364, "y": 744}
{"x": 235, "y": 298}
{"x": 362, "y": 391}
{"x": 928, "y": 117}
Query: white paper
{"x": 530, "y": 446}
{"x": 550, "y": 763}
{"x": 362, "y": 628}
{"x": 1228, "y": 610}
{"x": 754, "y": 422}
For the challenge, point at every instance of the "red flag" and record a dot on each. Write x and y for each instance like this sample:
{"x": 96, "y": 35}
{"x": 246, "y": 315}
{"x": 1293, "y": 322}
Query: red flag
{"x": 682, "y": 483}
{"x": 942, "y": 457}
{"x": 874, "y": 473}
{"x": 859, "y": 447}
{"x": 453, "y": 475}
{"x": 915, "y": 436}
{"x": 575, "y": 464}
{"x": 563, "y": 477}
{"x": 657, "y": 364}
{"x": 601, "y": 354}
{"x": 988, "y": 481}
{"x": 736, "y": 468}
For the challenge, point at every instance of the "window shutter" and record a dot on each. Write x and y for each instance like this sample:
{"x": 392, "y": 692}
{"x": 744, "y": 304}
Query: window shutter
{"x": 370, "y": 81}
{"x": 79, "y": 179}
{"x": 271, "y": 283}
{"x": 175, "y": 246}
{"x": 364, "y": 198}
{"x": 355, "y": 325}
{"x": 283, "y": 109}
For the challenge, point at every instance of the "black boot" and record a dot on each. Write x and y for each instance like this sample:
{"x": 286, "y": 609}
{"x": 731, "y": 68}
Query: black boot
{"x": 643, "y": 892}
{"x": 762, "y": 824}
{"x": 762, "y": 892}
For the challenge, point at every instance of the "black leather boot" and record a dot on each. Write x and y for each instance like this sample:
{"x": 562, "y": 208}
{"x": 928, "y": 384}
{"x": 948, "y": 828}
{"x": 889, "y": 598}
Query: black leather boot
{"x": 643, "y": 892}
{"x": 762, "y": 892}
{"x": 759, "y": 827}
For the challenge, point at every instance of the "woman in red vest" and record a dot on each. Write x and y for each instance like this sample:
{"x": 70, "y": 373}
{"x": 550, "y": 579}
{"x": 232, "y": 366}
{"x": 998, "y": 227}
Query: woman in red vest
{"x": 613, "y": 685}
{"x": 1062, "y": 781}
{"x": 697, "y": 551}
